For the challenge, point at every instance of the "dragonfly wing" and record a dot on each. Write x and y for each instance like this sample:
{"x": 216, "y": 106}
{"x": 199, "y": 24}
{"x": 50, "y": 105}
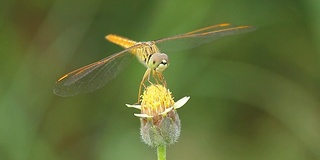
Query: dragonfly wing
{"x": 92, "y": 76}
{"x": 198, "y": 37}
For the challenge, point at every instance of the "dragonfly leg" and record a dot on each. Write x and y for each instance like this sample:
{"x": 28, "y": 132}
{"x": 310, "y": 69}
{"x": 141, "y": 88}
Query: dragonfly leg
{"x": 155, "y": 76}
{"x": 146, "y": 76}
{"x": 161, "y": 78}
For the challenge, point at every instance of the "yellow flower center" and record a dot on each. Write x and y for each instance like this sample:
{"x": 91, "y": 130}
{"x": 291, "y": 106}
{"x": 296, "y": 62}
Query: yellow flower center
{"x": 155, "y": 100}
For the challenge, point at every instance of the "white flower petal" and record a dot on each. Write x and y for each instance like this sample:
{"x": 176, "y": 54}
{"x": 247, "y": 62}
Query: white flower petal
{"x": 167, "y": 110}
{"x": 134, "y": 106}
{"x": 181, "y": 102}
{"x": 143, "y": 115}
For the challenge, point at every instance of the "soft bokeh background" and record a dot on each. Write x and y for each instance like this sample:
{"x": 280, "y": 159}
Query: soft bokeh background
{"x": 253, "y": 96}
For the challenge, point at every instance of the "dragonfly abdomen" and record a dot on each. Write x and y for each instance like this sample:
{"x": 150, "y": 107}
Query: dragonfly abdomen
{"x": 121, "y": 41}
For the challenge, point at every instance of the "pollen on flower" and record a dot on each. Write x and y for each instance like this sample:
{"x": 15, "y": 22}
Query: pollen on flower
{"x": 155, "y": 100}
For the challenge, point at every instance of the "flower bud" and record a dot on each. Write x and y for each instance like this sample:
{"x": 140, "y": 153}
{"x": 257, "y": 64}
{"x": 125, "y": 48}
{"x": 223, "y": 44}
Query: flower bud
{"x": 160, "y": 123}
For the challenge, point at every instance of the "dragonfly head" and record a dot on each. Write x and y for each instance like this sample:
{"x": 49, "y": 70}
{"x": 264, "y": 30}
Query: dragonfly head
{"x": 159, "y": 62}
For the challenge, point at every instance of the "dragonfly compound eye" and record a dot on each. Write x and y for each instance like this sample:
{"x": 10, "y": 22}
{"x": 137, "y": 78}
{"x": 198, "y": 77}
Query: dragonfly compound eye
{"x": 159, "y": 62}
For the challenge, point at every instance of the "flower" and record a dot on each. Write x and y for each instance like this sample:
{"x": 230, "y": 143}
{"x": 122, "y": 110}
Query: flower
{"x": 160, "y": 123}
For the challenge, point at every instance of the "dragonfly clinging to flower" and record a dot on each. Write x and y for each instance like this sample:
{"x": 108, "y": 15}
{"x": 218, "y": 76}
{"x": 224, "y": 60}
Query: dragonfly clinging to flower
{"x": 150, "y": 53}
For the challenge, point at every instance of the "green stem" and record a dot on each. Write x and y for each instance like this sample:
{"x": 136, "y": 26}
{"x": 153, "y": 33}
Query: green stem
{"x": 161, "y": 151}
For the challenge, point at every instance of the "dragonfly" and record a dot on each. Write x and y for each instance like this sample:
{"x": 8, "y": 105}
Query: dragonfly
{"x": 152, "y": 54}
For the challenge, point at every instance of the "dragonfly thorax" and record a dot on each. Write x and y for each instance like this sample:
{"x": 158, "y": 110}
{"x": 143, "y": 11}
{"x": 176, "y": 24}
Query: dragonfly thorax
{"x": 149, "y": 55}
{"x": 158, "y": 62}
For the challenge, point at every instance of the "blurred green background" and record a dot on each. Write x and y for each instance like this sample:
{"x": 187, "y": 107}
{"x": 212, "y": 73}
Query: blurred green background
{"x": 253, "y": 95}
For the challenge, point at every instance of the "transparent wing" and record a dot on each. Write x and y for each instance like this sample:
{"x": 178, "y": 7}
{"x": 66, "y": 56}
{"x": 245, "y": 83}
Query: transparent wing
{"x": 93, "y": 76}
{"x": 195, "y": 38}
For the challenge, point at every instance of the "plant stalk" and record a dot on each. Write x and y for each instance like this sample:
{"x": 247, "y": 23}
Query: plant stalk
{"x": 161, "y": 152}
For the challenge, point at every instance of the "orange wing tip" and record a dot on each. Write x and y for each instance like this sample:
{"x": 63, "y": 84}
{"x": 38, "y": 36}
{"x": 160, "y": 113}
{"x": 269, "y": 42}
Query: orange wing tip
{"x": 224, "y": 24}
{"x": 62, "y": 78}
{"x": 244, "y": 27}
